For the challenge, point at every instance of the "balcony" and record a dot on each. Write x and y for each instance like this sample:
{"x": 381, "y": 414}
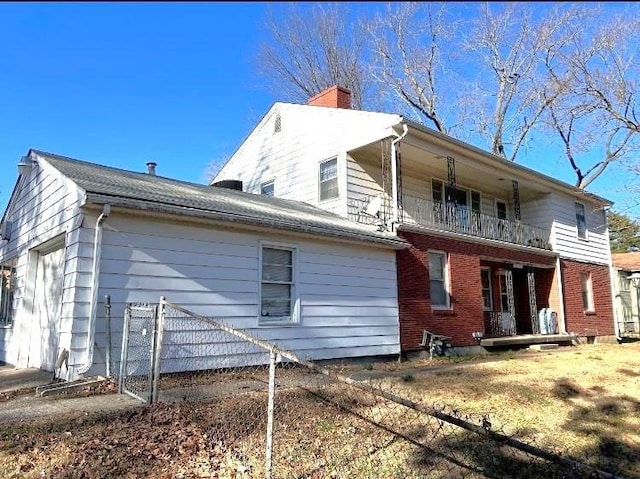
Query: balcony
{"x": 454, "y": 219}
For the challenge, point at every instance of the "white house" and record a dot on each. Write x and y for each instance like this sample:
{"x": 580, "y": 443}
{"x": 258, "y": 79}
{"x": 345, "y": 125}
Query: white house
{"x": 493, "y": 243}
{"x": 292, "y": 273}
{"x": 626, "y": 267}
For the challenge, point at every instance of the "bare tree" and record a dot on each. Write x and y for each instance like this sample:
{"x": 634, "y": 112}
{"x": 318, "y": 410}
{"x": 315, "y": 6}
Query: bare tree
{"x": 594, "y": 74}
{"x": 312, "y": 47}
{"x": 408, "y": 41}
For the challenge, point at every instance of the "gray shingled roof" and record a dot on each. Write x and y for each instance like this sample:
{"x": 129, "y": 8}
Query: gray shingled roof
{"x": 143, "y": 191}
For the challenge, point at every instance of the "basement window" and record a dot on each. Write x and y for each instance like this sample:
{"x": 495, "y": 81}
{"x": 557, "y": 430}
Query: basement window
{"x": 7, "y": 288}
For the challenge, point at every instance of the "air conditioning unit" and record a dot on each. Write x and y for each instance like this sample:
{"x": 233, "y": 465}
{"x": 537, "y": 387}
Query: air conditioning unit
{"x": 5, "y": 230}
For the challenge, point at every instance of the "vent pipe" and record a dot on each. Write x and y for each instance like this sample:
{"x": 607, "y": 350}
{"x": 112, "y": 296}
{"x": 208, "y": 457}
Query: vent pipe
{"x": 151, "y": 168}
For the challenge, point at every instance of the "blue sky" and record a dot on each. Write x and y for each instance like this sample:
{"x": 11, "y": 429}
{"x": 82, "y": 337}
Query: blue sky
{"x": 121, "y": 84}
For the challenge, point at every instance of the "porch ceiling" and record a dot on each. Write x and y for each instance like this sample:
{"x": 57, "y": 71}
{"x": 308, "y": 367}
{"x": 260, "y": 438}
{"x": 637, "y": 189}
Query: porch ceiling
{"x": 422, "y": 163}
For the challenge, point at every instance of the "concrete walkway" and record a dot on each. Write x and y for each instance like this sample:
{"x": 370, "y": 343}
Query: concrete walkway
{"x": 28, "y": 407}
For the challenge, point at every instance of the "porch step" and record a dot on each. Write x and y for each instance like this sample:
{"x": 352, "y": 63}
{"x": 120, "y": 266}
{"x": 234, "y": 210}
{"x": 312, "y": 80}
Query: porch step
{"x": 543, "y": 347}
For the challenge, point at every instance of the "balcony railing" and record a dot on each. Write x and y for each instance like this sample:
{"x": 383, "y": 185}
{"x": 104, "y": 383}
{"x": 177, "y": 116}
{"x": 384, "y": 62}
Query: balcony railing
{"x": 461, "y": 219}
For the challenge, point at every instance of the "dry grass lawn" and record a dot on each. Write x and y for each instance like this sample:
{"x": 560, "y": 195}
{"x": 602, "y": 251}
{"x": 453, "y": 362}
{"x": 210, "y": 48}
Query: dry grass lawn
{"x": 583, "y": 401}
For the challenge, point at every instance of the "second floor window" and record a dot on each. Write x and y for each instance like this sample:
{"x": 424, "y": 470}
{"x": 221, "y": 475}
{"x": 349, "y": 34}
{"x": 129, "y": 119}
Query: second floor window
{"x": 329, "y": 179}
{"x": 581, "y": 221}
{"x": 267, "y": 188}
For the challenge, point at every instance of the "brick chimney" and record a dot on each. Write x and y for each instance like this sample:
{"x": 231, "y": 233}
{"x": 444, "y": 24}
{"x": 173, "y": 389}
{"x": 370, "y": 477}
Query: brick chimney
{"x": 334, "y": 97}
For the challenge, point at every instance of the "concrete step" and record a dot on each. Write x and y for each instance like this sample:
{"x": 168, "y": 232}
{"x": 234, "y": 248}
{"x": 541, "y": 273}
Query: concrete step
{"x": 543, "y": 347}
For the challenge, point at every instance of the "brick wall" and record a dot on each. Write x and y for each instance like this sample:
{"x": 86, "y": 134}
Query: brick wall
{"x": 335, "y": 97}
{"x": 466, "y": 314}
{"x": 579, "y": 321}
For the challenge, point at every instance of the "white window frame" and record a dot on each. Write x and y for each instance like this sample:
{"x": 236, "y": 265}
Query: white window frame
{"x": 320, "y": 199}
{"x": 584, "y": 216}
{"x": 504, "y": 293}
{"x": 506, "y": 208}
{"x": 466, "y": 189}
{"x": 7, "y": 297}
{"x": 488, "y": 270}
{"x": 587, "y": 287}
{"x": 295, "y": 307}
{"x": 271, "y": 182}
{"x": 445, "y": 280}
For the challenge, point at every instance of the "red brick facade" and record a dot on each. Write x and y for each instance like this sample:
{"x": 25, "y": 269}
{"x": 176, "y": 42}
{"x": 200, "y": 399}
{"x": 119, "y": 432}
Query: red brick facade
{"x": 466, "y": 314}
{"x": 598, "y": 322}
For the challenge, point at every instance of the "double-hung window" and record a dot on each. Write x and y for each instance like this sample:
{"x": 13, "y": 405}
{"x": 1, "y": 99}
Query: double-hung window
{"x": 277, "y": 284}
{"x": 329, "y": 179}
{"x": 7, "y": 288}
{"x": 587, "y": 292}
{"x": 487, "y": 297}
{"x": 439, "y": 280}
{"x": 581, "y": 221}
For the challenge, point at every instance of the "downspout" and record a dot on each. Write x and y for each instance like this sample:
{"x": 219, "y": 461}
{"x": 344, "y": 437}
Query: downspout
{"x": 95, "y": 272}
{"x": 394, "y": 175}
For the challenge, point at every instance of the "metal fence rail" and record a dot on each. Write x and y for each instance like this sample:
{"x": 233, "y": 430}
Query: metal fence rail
{"x": 273, "y": 413}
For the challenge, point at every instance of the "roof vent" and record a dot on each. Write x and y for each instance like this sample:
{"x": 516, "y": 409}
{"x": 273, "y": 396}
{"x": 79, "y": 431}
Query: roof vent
{"x": 229, "y": 184}
{"x": 151, "y": 168}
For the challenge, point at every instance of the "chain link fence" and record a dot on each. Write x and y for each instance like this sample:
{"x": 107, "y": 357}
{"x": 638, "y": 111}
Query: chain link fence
{"x": 262, "y": 411}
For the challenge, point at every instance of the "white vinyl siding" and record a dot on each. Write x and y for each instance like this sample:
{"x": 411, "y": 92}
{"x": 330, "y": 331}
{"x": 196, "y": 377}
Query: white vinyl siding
{"x": 44, "y": 206}
{"x": 439, "y": 279}
{"x": 309, "y": 135}
{"x": 328, "y": 180}
{"x": 564, "y": 237}
{"x": 346, "y": 295}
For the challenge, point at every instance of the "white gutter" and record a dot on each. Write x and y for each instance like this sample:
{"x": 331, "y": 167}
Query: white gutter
{"x": 394, "y": 174}
{"x": 95, "y": 272}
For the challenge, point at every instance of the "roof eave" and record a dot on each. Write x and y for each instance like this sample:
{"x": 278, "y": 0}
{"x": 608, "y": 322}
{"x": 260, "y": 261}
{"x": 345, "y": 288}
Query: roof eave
{"x": 574, "y": 191}
{"x": 239, "y": 219}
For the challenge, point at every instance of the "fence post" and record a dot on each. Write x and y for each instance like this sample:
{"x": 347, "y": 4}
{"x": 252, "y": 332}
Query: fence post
{"x": 273, "y": 358}
{"x": 125, "y": 344}
{"x": 157, "y": 348}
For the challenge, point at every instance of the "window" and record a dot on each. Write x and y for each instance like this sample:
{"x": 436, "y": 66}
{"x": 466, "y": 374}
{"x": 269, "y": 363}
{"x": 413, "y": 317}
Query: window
{"x": 277, "y": 124}
{"x": 7, "y": 285}
{"x": 581, "y": 221}
{"x": 487, "y": 297}
{"x": 438, "y": 278}
{"x": 329, "y": 179}
{"x": 267, "y": 188}
{"x": 276, "y": 284}
{"x": 587, "y": 292}
{"x": 501, "y": 210}
{"x": 504, "y": 292}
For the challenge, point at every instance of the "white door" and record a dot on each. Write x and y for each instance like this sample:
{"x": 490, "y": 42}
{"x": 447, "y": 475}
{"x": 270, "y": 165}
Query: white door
{"x": 47, "y": 305}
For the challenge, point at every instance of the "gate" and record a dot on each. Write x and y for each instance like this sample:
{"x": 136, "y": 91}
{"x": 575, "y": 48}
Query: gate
{"x": 140, "y": 336}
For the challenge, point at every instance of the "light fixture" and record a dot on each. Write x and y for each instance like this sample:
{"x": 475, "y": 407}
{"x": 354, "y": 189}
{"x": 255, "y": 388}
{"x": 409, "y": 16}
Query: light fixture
{"x": 25, "y": 165}
{"x": 635, "y": 279}
{"x": 477, "y": 335}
